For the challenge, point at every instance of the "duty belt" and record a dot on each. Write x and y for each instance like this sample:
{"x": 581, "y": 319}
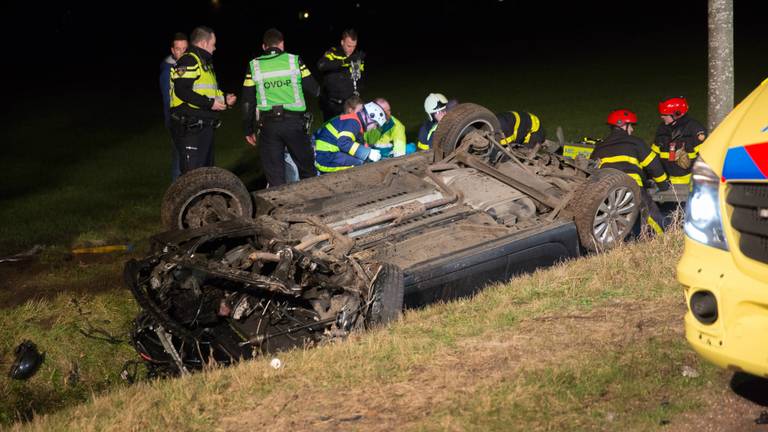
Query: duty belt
{"x": 191, "y": 122}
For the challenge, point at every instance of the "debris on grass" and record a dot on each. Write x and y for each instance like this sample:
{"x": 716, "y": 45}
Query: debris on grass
{"x": 31, "y": 252}
{"x": 690, "y": 372}
{"x": 27, "y": 362}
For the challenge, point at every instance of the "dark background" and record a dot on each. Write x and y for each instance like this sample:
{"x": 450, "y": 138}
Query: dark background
{"x": 120, "y": 44}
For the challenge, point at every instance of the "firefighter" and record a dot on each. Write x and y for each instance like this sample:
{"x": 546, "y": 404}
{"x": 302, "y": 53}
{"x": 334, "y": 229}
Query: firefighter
{"x": 342, "y": 68}
{"x": 389, "y": 138}
{"x": 340, "y": 143}
{"x": 678, "y": 139}
{"x": 274, "y": 87}
{"x": 520, "y": 127}
{"x": 624, "y": 152}
{"x": 196, "y": 101}
{"x": 436, "y": 106}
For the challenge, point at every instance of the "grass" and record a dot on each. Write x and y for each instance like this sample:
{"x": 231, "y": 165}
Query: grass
{"x": 81, "y": 175}
{"x": 527, "y": 355}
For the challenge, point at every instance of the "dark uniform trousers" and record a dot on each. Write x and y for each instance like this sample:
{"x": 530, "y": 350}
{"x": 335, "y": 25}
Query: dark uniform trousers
{"x": 193, "y": 139}
{"x": 330, "y": 107}
{"x": 276, "y": 135}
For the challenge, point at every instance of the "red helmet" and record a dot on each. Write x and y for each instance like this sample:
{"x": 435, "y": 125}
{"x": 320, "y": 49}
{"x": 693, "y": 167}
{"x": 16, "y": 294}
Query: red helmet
{"x": 675, "y": 106}
{"x": 622, "y": 117}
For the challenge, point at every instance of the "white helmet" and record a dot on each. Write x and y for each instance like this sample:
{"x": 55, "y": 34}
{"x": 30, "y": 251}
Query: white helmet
{"x": 375, "y": 113}
{"x": 435, "y": 102}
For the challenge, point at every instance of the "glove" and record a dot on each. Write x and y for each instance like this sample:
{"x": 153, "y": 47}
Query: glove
{"x": 682, "y": 160}
{"x": 663, "y": 186}
{"x": 374, "y": 155}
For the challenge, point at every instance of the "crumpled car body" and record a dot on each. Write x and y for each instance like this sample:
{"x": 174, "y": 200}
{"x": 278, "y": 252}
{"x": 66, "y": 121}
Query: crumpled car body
{"x": 241, "y": 274}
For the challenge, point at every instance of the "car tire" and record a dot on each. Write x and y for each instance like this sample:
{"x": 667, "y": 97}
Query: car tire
{"x": 203, "y": 196}
{"x": 605, "y": 208}
{"x": 387, "y": 296}
{"x": 460, "y": 120}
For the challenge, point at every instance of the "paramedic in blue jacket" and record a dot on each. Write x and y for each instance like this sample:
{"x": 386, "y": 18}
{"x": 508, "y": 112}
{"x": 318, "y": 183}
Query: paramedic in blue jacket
{"x": 340, "y": 143}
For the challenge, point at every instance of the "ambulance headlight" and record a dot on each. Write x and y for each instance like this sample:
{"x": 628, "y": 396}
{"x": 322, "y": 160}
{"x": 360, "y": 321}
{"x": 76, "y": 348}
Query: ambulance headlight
{"x": 702, "y": 214}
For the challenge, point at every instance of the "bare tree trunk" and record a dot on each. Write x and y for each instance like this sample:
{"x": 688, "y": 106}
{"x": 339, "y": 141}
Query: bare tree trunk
{"x": 720, "y": 61}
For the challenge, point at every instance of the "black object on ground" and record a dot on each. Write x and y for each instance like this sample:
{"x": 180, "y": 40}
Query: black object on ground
{"x": 763, "y": 419}
{"x": 28, "y": 361}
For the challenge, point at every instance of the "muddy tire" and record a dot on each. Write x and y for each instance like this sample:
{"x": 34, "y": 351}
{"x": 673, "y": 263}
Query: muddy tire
{"x": 387, "y": 297}
{"x": 204, "y": 196}
{"x": 605, "y": 209}
{"x": 457, "y": 123}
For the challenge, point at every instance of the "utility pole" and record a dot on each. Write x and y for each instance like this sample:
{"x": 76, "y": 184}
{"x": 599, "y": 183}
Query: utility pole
{"x": 720, "y": 92}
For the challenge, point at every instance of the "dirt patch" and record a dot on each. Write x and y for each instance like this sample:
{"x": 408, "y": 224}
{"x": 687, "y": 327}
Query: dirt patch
{"x": 30, "y": 279}
{"x": 734, "y": 405}
{"x": 464, "y": 370}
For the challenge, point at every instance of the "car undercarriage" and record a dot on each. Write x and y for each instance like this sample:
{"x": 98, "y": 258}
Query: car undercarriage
{"x": 239, "y": 274}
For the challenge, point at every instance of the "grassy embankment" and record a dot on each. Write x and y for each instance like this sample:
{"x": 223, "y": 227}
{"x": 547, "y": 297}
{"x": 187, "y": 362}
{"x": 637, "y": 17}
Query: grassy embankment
{"x": 593, "y": 344}
{"x": 73, "y": 174}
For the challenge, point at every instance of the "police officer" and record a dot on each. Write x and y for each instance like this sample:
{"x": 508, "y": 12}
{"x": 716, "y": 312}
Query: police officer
{"x": 622, "y": 151}
{"x": 342, "y": 68}
{"x": 520, "y": 127}
{"x": 179, "y": 46}
{"x": 340, "y": 143}
{"x": 678, "y": 139}
{"x": 274, "y": 87}
{"x": 196, "y": 101}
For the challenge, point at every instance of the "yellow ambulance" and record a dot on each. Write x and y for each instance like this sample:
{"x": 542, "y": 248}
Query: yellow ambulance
{"x": 724, "y": 268}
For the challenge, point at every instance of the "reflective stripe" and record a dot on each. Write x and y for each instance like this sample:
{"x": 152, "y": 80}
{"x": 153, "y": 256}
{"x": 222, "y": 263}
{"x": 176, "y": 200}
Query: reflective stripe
{"x": 292, "y": 63}
{"x": 422, "y": 146}
{"x": 617, "y": 159}
{"x": 535, "y": 124}
{"x": 680, "y": 179}
{"x": 325, "y": 146}
{"x": 654, "y": 225}
{"x": 346, "y": 134}
{"x": 326, "y": 169}
{"x": 353, "y": 149}
{"x": 204, "y": 86}
{"x": 332, "y": 130}
{"x": 647, "y": 161}
{"x": 637, "y": 178}
{"x": 660, "y": 178}
{"x": 331, "y": 56}
{"x": 255, "y": 74}
{"x": 657, "y": 150}
{"x": 517, "y": 125}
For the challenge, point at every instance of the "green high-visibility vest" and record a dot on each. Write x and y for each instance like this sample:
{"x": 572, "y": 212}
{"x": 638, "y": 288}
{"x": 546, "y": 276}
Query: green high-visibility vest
{"x": 204, "y": 84}
{"x": 278, "y": 82}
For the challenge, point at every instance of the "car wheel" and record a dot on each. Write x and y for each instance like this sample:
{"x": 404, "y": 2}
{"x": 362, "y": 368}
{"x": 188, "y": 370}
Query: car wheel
{"x": 605, "y": 209}
{"x": 457, "y": 123}
{"x": 386, "y": 302}
{"x": 204, "y": 196}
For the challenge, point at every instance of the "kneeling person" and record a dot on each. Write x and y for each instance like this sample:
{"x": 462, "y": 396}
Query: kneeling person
{"x": 627, "y": 153}
{"x": 340, "y": 143}
{"x": 520, "y": 127}
{"x": 389, "y": 138}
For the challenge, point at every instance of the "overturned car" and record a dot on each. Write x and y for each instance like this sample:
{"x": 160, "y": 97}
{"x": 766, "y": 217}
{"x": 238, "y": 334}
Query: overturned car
{"x": 241, "y": 274}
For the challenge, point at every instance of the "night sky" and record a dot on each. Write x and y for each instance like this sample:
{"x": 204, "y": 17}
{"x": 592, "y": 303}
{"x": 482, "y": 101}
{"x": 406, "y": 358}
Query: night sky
{"x": 123, "y": 42}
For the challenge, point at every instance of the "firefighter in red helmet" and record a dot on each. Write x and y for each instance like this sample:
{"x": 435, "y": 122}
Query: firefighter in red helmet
{"x": 624, "y": 152}
{"x": 678, "y": 139}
